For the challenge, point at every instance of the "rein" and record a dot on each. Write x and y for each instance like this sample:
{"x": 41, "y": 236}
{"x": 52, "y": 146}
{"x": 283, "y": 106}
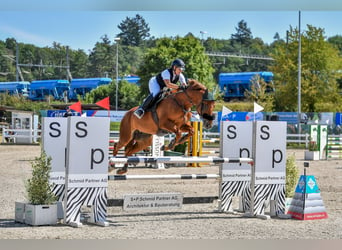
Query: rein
{"x": 181, "y": 106}
{"x": 205, "y": 116}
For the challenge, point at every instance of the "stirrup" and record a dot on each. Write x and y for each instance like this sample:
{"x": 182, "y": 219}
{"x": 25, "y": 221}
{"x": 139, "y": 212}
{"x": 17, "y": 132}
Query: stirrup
{"x": 139, "y": 113}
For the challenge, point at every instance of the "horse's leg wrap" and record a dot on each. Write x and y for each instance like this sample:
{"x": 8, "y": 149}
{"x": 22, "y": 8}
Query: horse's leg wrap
{"x": 171, "y": 145}
{"x": 115, "y": 149}
{"x": 183, "y": 139}
{"x": 123, "y": 170}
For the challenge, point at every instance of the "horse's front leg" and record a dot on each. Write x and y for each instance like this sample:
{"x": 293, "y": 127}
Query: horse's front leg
{"x": 187, "y": 129}
{"x": 174, "y": 142}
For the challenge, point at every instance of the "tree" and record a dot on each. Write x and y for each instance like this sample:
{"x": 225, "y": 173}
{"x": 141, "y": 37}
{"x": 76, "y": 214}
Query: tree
{"x": 7, "y": 68}
{"x": 320, "y": 64}
{"x": 100, "y": 93}
{"x": 101, "y": 59}
{"x": 189, "y": 49}
{"x": 259, "y": 93}
{"x": 276, "y": 36}
{"x": 129, "y": 59}
{"x": 59, "y": 53}
{"x": 133, "y": 31}
{"x": 336, "y": 41}
{"x": 79, "y": 64}
{"x": 243, "y": 36}
{"x": 128, "y": 95}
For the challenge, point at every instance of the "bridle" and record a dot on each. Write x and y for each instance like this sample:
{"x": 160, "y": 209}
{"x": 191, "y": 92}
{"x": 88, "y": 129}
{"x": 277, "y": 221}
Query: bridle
{"x": 203, "y": 105}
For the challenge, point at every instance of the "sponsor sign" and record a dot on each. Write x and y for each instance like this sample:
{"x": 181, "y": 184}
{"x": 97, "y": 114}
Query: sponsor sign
{"x": 87, "y": 155}
{"x": 152, "y": 201}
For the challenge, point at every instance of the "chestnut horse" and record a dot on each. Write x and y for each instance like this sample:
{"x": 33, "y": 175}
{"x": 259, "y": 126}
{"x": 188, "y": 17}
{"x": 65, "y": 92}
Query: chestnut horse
{"x": 172, "y": 115}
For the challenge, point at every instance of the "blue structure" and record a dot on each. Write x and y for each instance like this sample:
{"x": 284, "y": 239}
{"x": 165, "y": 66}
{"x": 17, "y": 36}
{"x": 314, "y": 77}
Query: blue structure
{"x": 81, "y": 86}
{"x": 233, "y": 85}
{"x": 39, "y": 90}
{"x": 58, "y": 89}
{"x": 130, "y": 79}
{"x": 15, "y": 88}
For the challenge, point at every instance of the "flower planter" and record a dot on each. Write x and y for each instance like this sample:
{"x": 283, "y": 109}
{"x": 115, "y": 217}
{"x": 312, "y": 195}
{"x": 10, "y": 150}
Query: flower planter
{"x": 37, "y": 215}
{"x": 311, "y": 155}
{"x": 19, "y": 212}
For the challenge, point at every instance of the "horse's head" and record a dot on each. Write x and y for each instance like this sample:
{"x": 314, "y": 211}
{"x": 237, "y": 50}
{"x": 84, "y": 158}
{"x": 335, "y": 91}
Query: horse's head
{"x": 204, "y": 102}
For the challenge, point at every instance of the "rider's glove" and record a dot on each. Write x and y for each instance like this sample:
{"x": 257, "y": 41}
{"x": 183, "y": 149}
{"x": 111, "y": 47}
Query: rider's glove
{"x": 182, "y": 87}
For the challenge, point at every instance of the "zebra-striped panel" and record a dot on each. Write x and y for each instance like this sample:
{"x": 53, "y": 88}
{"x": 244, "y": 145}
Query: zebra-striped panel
{"x": 264, "y": 192}
{"x": 92, "y": 196}
{"x": 230, "y": 189}
{"x": 58, "y": 191}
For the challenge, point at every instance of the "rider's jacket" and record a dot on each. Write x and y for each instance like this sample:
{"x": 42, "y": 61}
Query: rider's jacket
{"x": 173, "y": 79}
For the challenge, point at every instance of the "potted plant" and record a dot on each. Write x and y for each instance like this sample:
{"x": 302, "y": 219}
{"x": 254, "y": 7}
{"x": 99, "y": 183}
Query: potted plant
{"x": 292, "y": 174}
{"x": 313, "y": 152}
{"x": 41, "y": 208}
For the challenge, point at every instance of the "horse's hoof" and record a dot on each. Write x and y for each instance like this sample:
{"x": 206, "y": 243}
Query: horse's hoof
{"x": 121, "y": 171}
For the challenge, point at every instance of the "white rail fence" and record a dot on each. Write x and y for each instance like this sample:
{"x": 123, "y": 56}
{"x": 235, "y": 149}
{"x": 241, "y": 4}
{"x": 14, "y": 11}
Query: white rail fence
{"x": 20, "y": 135}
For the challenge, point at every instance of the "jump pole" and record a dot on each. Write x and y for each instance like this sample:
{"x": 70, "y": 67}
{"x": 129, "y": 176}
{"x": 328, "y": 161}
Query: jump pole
{"x": 163, "y": 177}
{"x": 178, "y": 159}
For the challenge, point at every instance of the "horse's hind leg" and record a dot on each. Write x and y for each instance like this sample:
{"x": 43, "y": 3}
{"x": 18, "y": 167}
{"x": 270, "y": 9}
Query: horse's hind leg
{"x": 138, "y": 145}
{"x": 125, "y": 138}
{"x": 124, "y": 169}
{"x": 132, "y": 147}
{"x": 115, "y": 149}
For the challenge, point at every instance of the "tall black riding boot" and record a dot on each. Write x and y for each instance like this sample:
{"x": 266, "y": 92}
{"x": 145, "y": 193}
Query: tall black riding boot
{"x": 146, "y": 104}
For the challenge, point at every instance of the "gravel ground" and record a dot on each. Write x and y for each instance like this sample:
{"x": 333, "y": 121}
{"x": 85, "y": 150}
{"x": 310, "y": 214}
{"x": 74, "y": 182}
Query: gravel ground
{"x": 190, "y": 222}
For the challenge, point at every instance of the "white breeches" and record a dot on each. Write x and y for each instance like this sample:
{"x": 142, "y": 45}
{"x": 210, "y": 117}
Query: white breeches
{"x": 153, "y": 86}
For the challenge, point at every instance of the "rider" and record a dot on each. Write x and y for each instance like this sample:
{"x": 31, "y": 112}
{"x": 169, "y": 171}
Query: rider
{"x": 168, "y": 78}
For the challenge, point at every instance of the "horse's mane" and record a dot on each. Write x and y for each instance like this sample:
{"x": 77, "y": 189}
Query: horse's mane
{"x": 194, "y": 84}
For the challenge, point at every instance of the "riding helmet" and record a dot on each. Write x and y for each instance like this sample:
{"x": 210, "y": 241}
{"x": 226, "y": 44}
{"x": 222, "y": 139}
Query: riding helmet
{"x": 178, "y": 63}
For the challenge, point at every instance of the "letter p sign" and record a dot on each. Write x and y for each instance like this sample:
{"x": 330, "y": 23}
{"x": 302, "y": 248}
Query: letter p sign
{"x": 277, "y": 156}
{"x": 97, "y": 157}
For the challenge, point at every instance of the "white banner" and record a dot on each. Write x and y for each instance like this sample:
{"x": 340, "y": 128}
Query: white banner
{"x": 270, "y": 159}
{"x": 270, "y": 156}
{"x": 87, "y": 151}
{"x": 236, "y": 142}
{"x": 54, "y": 135}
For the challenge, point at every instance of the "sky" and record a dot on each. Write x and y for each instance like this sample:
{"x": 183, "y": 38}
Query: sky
{"x": 79, "y": 24}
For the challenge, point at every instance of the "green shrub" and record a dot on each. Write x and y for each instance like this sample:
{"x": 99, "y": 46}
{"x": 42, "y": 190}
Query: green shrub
{"x": 291, "y": 176}
{"x": 114, "y": 126}
{"x": 38, "y": 187}
{"x": 234, "y": 106}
